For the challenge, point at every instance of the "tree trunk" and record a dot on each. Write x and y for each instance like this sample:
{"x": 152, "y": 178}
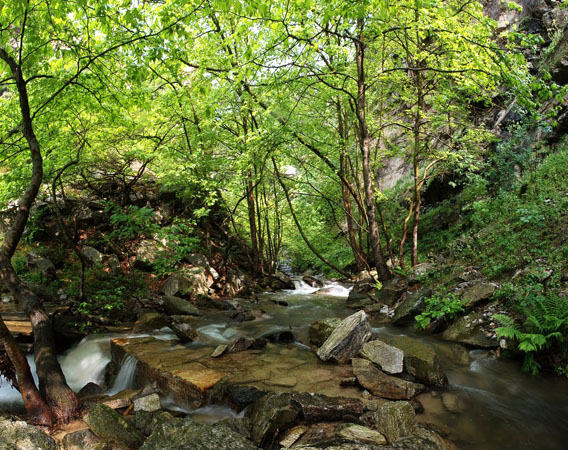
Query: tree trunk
{"x": 62, "y": 400}
{"x": 382, "y": 270}
{"x": 33, "y": 401}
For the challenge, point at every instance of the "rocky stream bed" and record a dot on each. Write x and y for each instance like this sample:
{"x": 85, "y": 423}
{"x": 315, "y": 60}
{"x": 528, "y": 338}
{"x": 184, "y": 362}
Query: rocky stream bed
{"x": 284, "y": 370}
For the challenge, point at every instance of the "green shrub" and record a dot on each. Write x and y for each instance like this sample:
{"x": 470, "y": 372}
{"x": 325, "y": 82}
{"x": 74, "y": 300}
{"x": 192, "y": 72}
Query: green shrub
{"x": 543, "y": 323}
{"x": 442, "y": 306}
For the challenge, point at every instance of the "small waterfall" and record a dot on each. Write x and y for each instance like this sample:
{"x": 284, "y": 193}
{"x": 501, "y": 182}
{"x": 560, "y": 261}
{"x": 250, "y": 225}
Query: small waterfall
{"x": 335, "y": 290}
{"x": 86, "y": 362}
{"x": 126, "y": 377}
{"x": 301, "y": 287}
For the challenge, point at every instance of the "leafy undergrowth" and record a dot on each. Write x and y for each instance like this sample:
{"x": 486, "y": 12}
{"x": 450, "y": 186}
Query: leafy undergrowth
{"x": 517, "y": 237}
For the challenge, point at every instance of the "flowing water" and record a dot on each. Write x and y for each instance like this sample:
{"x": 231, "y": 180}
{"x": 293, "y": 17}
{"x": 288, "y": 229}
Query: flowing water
{"x": 488, "y": 405}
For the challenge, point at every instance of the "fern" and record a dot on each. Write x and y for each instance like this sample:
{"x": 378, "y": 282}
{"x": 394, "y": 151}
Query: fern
{"x": 545, "y": 323}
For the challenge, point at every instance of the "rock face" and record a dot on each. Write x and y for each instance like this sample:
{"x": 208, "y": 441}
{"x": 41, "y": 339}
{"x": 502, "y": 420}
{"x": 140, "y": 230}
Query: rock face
{"x": 469, "y": 330}
{"x": 16, "y": 434}
{"x": 394, "y": 420}
{"x": 420, "y": 360}
{"x": 188, "y": 435}
{"x": 112, "y": 428}
{"x": 389, "y": 359}
{"x": 346, "y": 340}
{"x": 179, "y": 306}
{"x": 411, "y": 306}
{"x": 319, "y": 331}
{"x": 381, "y": 384}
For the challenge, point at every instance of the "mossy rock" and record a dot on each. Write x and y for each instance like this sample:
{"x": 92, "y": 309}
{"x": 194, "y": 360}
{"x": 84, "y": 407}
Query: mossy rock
{"x": 112, "y": 428}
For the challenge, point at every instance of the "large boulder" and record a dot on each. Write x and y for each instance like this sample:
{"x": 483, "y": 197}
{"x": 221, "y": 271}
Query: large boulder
{"x": 319, "y": 331}
{"x": 148, "y": 253}
{"x": 274, "y": 413}
{"x": 412, "y": 305}
{"x": 391, "y": 291}
{"x": 420, "y": 360}
{"x": 394, "y": 420}
{"x": 470, "y": 330}
{"x": 362, "y": 294}
{"x": 476, "y": 294}
{"x": 179, "y": 306}
{"x": 382, "y": 385}
{"x": 347, "y": 339}
{"x": 92, "y": 255}
{"x": 388, "y": 358}
{"x": 419, "y": 271}
{"x": 188, "y": 435}
{"x": 177, "y": 284}
{"x": 112, "y": 428}
{"x": 15, "y": 434}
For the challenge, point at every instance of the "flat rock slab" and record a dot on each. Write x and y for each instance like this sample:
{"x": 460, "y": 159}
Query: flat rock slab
{"x": 188, "y": 374}
{"x": 383, "y": 385}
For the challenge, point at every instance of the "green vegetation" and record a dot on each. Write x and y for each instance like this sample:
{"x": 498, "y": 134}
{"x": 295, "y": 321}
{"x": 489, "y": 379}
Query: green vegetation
{"x": 447, "y": 306}
{"x": 306, "y": 132}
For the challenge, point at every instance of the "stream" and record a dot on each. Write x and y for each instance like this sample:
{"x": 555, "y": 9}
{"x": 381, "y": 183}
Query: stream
{"x": 489, "y": 403}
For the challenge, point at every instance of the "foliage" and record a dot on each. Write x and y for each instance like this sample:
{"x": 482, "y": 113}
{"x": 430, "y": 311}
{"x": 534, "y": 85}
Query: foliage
{"x": 441, "y": 306}
{"x": 130, "y": 222}
{"x": 543, "y": 323}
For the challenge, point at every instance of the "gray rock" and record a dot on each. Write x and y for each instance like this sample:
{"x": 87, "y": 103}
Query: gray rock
{"x": 148, "y": 403}
{"x": 177, "y": 284}
{"x": 359, "y": 433}
{"x": 112, "y": 428}
{"x": 469, "y": 330}
{"x": 150, "y": 321}
{"x": 271, "y": 415}
{"x": 418, "y": 272}
{"x": 114, "y": 263}
{"x": 410, "y": 307}
{"x": 312, "y": 281}
{"x": 389, "y": 359}
{"x": 179, "y": 306}
{"x": 394, "y": 420}
{"x": 92, "y": 255}
{"x": 44, "y": 265}
{"x": 188, "y": 435}
{"x": 82, "y": 440}
{"x": 275, "y": 413}
{"x": 319, "y": 331}
{"x": 148, "y": 252}
{"x": 197, "y": 260}
{"x": 477, "y": 294}
{"x": 16, "y": 434}
{"x": 381, "y": 384}
{"x": 347, "y": 339}
{"x": 183, "y": 329}
{"x": 424, "y": 439}
{"x": 219, "y": 350}
{"x": 391, "y": 291}
{"x": 420, "y": 360}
